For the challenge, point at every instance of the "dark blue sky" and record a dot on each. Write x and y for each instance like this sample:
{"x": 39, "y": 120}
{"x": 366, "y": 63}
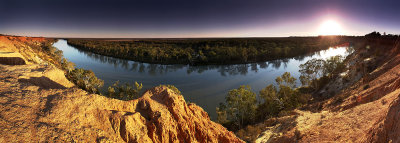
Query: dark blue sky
{"x": 195, "y": 18}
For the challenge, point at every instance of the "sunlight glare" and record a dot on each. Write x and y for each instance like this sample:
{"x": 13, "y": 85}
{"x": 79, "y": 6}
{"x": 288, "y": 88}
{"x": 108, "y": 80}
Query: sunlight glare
{"x": 330, "y": 27}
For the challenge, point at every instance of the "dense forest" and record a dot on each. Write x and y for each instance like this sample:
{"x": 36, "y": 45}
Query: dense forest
{"x": 207, "y": 51}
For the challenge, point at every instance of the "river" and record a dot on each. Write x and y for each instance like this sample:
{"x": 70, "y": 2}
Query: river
{"x": 204, "y": 85}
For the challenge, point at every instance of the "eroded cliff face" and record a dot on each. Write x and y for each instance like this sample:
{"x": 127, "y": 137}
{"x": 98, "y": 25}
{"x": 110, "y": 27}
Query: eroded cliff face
{"x": 368, "y": 110}
{"x": 37, "y": 104}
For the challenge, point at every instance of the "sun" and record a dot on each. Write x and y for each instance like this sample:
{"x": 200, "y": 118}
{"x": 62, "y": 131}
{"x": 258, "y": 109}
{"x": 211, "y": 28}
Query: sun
{"x": 330, "y": 27}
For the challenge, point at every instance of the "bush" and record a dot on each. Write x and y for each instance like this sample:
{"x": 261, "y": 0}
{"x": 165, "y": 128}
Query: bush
{"x": 286, "y": 97}
{"x": 85, "y": 79}
{"x": 67, "y": 65}
{"x": 173, "y": 88}
{"x": 125, "y": 91}
{"x": 250, "y": 133}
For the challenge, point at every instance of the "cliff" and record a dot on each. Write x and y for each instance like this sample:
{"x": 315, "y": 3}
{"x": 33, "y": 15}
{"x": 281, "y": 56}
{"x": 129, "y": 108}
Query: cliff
{"x": 39, "y": 104}
{"x": 366, "y": 108}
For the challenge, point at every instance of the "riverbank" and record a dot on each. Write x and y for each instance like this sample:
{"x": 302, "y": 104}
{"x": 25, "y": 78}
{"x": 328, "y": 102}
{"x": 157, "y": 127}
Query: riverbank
{"x": 360, "y": 105}
{"x": 205, "y": 85}
{"x": 217, "y": 51}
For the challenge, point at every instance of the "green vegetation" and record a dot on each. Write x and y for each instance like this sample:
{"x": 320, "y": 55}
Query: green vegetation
{"x": 316, "y": 72}
{"x": 124, "y": 92}
{"x": 207, "y": 51}
{"x": 242, "y": 108}
{"x": 173, "y": 88}
{"x": 85, "y": 79}
{"x": 284, "y": 98}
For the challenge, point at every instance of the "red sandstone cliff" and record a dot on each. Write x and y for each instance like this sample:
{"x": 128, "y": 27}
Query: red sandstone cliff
{"x": 38, "y": 104}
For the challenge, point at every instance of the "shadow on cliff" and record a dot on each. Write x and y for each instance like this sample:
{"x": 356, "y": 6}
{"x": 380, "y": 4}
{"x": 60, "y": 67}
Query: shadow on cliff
{"x": 12, "y": 61}
{"x": 43, "y": 82}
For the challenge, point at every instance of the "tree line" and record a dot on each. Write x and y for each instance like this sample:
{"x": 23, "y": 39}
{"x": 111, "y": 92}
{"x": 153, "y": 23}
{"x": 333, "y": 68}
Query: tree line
{"x": 207, "y": 51}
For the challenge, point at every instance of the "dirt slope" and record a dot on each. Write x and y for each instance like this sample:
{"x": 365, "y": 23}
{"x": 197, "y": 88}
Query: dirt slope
{"x": 367, "y": 111}
{"x": 38, "y": 104}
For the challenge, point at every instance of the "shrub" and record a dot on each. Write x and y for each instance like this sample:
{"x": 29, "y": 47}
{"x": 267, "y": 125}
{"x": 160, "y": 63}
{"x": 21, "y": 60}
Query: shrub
{"x": 125, "y": 91}
{"x": 173, "y": 88}
{"x": 67, "y": 65}
{"x": 86, "y": 80}
{"x": 250, "y": 133}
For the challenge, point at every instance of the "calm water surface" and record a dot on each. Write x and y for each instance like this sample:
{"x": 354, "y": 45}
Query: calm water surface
{"x": 204, "y": 85}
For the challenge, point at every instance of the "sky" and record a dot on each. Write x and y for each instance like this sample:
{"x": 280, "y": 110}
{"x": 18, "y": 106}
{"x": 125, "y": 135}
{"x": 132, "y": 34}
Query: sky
{"x": 196, "y": 18}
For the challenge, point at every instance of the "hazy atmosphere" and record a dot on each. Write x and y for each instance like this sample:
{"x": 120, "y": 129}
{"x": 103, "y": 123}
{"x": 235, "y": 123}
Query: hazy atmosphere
{"x": 194, "y": 18}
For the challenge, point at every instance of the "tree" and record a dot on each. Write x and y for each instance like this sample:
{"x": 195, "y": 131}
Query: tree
{"x": 66, "y": 65}
{"x": 316, "y": 69}
{"x": 373, "y": 34}
{"x": 310, "y": 71}
{"x": 333, "y": 65}
{"x": 125, "y": 91}
{"x": 240, "y": 108}
{"x": 271, "y": 103}
{"x": 287, "y": 94}
{"x": 285, "y": 97}
{"x": 85, "y": 79}
{"x": 286, "y": 80}
{"x": 206, "y": 51}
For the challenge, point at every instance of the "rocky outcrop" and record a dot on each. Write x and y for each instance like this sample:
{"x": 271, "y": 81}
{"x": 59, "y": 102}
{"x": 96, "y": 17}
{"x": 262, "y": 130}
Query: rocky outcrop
{"x": 38, "y": 104}
{"x": 47, "y": 110}
{"x": 387, "y": 129}
{"x": 163, "y": 116}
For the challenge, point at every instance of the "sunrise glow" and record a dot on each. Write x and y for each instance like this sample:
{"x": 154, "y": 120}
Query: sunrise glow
{"x": 330, "y": 27}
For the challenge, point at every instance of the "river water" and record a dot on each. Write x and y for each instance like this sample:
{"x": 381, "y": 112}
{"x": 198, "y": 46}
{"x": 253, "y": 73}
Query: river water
{"x": 204, "y": 85}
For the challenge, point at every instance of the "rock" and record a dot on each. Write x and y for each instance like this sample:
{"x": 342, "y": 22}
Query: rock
{"x": 38, "y": 104}
{"x": 163, "y": 116}
{"x": 65, "y": 114}
{"x": 387, "y": 129}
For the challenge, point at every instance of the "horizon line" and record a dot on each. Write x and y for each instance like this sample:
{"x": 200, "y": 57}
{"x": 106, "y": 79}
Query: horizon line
{"x": 222, "y": 37}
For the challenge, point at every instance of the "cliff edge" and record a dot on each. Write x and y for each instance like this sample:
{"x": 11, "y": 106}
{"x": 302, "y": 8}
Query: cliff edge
{"x": 38, "y": 104}
{"x": 367, "y": 110}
